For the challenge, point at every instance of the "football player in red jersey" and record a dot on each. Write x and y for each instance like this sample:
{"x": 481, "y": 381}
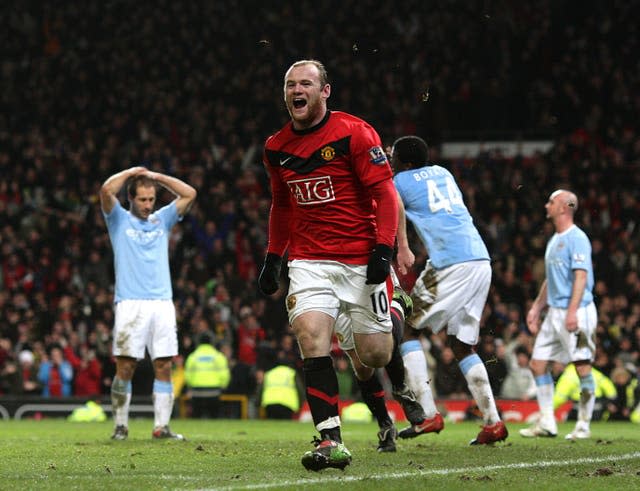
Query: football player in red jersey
{"x": 334, "y": 209}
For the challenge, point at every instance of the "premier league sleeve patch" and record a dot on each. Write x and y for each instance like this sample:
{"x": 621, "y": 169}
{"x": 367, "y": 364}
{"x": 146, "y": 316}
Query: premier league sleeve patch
{"x": 377, "y": 155}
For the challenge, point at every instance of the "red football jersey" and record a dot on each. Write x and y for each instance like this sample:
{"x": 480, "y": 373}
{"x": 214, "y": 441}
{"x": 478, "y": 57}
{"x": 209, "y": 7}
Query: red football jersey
{"x": 322, "y": 207}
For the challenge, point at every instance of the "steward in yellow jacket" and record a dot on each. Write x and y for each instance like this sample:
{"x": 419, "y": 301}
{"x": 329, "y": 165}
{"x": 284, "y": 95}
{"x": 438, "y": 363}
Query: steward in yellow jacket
{"x": 207, "y": 374}
{"x": 280, "y": 392}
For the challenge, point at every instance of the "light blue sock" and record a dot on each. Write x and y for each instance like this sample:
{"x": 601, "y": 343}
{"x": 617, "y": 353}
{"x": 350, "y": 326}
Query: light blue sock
{"x": 468, "y": 362}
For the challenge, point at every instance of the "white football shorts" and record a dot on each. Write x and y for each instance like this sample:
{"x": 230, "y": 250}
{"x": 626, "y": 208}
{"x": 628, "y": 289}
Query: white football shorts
{"x": 554, "y": 342}
{"x": 336, "y": 288}
{"x": 454, "y": 297}
{"x": 141, "y": 324}
{"x": 342, "y": 326}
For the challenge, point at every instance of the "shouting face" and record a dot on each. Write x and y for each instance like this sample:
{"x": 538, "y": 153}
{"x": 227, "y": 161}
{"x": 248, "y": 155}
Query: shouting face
{"x": 305, "y": 95}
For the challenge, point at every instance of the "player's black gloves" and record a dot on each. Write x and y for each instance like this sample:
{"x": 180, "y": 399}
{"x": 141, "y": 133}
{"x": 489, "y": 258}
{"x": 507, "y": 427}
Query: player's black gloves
{"x": 268, "y": 281}
{"x": 379, "y": 264}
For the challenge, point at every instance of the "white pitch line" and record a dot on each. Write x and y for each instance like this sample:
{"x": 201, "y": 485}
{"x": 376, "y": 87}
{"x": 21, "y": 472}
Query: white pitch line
{"x": 417, "y": 472}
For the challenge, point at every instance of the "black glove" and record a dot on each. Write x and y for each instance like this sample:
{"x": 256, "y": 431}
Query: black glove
{"x": 379, "y": 264}
{"x": 268, "y": 281}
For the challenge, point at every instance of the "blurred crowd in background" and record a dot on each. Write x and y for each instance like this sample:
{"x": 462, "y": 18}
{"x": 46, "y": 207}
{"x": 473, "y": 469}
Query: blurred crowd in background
{"x": 192, "y": 89}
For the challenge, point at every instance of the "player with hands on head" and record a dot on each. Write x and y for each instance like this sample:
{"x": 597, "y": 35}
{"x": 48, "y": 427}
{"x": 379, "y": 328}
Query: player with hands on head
{"x": 145, "y": 315}
{"x": 334, "y": 210}
{"x": 452, "y": 289}
{"x": 568, "y": 331}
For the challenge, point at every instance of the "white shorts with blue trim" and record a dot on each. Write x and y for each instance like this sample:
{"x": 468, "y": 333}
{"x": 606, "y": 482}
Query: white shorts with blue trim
{"x": 453, "y": 297}
{"x": 554, "y": 342}
{"x": 149, "y": 324}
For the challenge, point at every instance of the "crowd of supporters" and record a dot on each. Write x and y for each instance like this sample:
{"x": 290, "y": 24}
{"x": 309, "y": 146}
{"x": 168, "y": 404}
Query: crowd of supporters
{"x": 193, "y": 88}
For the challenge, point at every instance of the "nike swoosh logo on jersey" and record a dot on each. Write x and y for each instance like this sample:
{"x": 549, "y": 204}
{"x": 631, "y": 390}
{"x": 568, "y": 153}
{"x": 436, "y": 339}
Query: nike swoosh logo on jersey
{"x": 282, "y": 162}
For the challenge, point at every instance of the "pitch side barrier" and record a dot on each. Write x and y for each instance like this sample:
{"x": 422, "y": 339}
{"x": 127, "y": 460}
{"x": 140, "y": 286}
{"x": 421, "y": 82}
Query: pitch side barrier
{"x": 236, "y": 406}
{"x": 36, "y": 407}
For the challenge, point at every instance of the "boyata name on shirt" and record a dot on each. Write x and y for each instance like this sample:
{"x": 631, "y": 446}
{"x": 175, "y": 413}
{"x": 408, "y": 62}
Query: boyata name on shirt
{"x": 427, "y": 172}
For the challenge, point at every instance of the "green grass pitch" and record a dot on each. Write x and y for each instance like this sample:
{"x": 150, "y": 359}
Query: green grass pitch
{"x": 254, "y": 454}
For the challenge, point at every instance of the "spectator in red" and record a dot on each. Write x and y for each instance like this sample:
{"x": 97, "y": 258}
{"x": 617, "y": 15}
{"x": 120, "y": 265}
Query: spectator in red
{"x": 13, "y": 271}
{"x": 88, "y": 379}
{"x": 87, "y": 370}
{"x": 249, "y": 336}
{"x": 245, "y": 261}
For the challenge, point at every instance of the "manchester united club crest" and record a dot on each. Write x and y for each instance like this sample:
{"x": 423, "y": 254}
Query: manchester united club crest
{"x": 291, "y": 302}
{"x": 327, "y": 153}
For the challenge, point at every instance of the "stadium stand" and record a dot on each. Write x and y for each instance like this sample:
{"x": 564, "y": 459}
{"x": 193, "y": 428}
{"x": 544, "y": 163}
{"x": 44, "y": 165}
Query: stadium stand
{"x": 193, "y": 88}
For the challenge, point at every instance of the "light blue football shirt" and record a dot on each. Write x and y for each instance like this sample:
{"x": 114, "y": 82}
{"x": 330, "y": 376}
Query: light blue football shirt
{"x": 141, "y": 252}
{"x": 433, "y": 202}
{"x": 566, "y": 252}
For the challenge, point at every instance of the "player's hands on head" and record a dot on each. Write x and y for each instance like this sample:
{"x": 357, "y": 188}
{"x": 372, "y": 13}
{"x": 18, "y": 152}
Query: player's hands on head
{"x": 269, "y": 279}
{"x": 138, "y": 169}
{"x": 379, "y": 264}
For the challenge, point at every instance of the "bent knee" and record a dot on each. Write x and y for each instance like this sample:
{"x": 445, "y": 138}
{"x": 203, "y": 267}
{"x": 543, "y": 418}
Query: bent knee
{"x": 376, "y": 358}
{"x": 374, "y": 350}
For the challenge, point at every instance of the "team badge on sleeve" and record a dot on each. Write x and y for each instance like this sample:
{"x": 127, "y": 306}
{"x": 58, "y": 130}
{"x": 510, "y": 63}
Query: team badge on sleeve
{"x": 377, "y": 155}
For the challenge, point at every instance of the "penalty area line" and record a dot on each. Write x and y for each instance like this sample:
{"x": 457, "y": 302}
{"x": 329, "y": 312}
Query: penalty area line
{"x": 441, "y": 472}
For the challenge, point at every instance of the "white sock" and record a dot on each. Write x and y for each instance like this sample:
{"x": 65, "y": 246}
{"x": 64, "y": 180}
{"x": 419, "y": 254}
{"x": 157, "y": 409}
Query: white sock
{"x": 120, "y": 401}
{"x": 478, "y": 382}
{"x": 416, "y": 375}
{"x": 162, "y": 402}
{"x": 585, "y": 406}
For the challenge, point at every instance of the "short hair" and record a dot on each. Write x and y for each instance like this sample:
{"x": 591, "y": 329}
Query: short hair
{"x": 410, "y": 150}
{"x": 139, "y": 181}
{"x": 572, "y": 201}
{"x": 205, "y": 338}
{"x": 569, "y": 199}
{"x": 322, "y": 71}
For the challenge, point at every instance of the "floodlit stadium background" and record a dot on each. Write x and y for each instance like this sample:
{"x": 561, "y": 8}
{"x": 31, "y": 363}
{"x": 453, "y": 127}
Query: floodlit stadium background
{"x": 517, "y": 98}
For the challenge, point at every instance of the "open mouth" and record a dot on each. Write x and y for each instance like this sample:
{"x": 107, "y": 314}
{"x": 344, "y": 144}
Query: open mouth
{"x": 298, "y": 103}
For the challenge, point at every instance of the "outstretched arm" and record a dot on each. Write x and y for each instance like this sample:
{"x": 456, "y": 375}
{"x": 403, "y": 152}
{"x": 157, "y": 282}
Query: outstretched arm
{"x": 185, "y": 194}
{"x": 113, "y": 185}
